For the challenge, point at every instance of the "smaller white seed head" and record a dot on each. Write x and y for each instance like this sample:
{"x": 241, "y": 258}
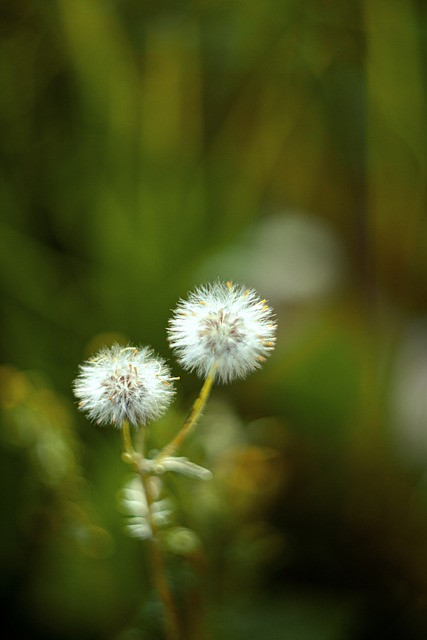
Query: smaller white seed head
{"x": 225, "y": 325}
{"x": 124, "y": 383}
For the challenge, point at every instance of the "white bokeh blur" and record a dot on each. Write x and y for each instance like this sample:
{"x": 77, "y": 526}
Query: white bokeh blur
{"x": 288, "y": 257}
{"x": 409, "y": 394}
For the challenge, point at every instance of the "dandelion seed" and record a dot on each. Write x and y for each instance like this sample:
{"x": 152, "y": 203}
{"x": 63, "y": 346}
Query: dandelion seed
{"x": 124, "y": 383}
{"x": 223, "y": 325}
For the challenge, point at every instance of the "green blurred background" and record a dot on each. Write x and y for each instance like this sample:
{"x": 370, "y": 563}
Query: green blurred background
{"x": 149, "y": 147}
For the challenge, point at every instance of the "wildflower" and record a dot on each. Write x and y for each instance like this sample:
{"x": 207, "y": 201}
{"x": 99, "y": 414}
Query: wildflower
{"x": 124, "y": 383}
{"x": 225, "y": 327}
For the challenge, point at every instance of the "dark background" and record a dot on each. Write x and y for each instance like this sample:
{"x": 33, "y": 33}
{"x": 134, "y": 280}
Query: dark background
{"x": 149, "y": 147}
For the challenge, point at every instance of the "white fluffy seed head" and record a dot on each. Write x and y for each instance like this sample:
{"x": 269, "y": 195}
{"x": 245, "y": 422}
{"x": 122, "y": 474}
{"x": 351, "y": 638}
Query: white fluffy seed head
{"x": 225, "y": 325}
{"x": 124, "y": 383}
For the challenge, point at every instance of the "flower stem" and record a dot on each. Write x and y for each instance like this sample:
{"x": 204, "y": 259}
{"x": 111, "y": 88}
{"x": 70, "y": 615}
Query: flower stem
{"x": 127, "y": 440}
{"x": 159, "y": 568}
{"x": 131, "y": 457}
{"x": 192, "y": 417}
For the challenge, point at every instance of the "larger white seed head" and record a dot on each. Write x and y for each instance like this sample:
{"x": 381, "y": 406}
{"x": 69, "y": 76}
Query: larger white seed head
{"x": 124, "y": 383}
{"x": 224, "y": 326}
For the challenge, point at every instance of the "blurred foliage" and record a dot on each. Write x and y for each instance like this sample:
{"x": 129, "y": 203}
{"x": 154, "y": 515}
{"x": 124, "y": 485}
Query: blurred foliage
{"x": 146, "y": 147}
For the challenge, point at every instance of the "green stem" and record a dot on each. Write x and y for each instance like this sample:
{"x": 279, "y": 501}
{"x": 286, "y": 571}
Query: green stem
{"x": 127, "y": 440}
{"x": 131, "y": 457}
{"x": 192, "y": 417}
{"x": 159, "y": 568}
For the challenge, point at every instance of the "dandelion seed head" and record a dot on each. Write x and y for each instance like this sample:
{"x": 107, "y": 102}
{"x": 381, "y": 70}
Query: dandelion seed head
{"x": 225, "y": 325}
{"x": 124, "y": 383}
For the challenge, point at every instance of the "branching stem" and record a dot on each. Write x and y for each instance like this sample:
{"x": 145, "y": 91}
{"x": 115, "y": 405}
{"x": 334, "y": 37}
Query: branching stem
{"x": 134, "y": 459}
{"x": 191, "y": 419}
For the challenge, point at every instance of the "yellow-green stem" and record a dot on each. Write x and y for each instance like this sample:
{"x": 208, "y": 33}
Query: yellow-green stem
{"x": 127, "y": 440}
{"x": 191, "y": 419}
